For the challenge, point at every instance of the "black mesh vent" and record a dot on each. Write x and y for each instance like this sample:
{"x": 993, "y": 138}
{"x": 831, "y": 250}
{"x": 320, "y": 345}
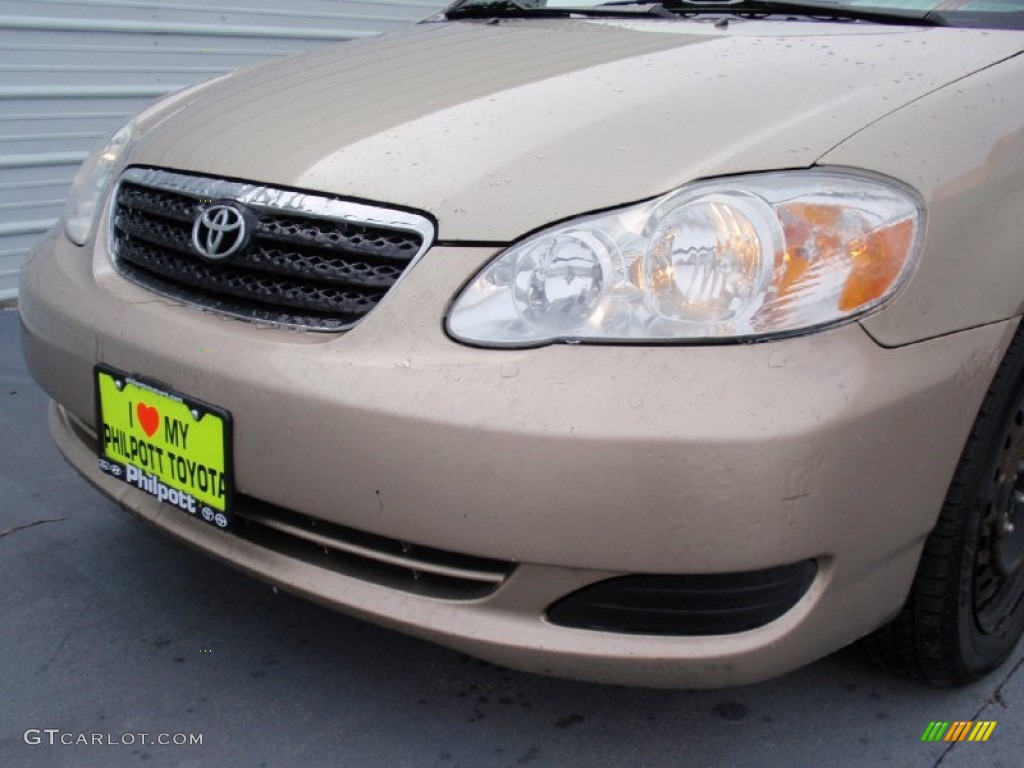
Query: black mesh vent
{"x": 699, "y": 604}
{"x": 299, "y": 268}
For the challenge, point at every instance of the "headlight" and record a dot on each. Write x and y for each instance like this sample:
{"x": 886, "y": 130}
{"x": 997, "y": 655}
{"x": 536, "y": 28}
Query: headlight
{"x": 740, "y": 258}
{"x": 89, "y": 188}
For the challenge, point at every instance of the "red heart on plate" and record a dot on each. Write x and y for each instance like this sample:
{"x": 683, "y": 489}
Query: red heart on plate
{"x": 149, "y": 418}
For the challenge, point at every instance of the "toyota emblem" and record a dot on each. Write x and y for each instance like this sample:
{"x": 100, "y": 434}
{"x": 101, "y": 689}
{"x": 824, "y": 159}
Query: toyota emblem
{"x": 219, "y": 232}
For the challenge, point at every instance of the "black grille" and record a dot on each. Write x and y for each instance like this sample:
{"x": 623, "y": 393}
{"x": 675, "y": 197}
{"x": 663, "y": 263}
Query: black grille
{"x": 699, "y": 604}
{"x": 302, "y": 267}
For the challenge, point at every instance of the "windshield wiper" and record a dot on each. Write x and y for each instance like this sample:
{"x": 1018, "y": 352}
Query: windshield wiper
{"x": 488, "y": 9}
{"x": 493, "y": 9}
{"x": 808, "y": 8}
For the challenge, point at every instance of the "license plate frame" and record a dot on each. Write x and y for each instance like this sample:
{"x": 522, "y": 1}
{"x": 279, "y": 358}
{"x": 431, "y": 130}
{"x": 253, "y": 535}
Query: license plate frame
{"x": 143, "y": 431}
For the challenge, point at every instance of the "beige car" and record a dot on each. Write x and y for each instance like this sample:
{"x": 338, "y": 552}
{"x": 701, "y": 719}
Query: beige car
{"x": 666, "y": 345}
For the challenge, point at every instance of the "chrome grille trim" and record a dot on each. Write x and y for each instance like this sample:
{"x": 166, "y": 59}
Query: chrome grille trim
{"x": 315, "y": 262}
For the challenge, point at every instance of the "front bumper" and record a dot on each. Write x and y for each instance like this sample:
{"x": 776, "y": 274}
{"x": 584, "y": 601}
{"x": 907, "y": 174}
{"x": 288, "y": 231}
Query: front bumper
{"x": 577, "y": 463}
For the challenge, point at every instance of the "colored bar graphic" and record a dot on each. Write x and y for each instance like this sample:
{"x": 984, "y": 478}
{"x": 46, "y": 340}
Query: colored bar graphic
{"x": 959, "y": 730}
{"x": 982, "y": 730}
{"x": 935, "y": 731}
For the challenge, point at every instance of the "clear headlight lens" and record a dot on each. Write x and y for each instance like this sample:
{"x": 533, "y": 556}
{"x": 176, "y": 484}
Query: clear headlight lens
{"x": 88, "y": 191}
{"x": 746, "y": 257}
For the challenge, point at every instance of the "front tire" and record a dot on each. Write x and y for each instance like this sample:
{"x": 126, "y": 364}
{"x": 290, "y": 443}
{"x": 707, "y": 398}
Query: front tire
{"x": 965, "y": 611}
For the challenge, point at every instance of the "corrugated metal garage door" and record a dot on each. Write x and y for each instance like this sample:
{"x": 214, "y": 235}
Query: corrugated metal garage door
{"x": 72, "y": 70}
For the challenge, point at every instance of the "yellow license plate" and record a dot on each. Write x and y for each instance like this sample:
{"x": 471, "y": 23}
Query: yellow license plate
{"x": 173, "y": 447}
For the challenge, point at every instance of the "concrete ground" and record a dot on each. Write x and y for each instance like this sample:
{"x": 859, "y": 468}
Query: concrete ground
{"x": 109, "y": 628}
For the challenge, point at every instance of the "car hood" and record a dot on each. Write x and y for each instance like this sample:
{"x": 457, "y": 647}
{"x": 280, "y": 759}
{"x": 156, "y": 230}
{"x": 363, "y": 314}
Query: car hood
{"x": 499, "y": 128}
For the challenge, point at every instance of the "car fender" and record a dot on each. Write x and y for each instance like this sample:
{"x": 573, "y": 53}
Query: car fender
{"x": 962, "y": 148}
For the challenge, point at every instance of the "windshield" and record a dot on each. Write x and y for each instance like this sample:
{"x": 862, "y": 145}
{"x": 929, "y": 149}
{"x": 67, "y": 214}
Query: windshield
{"x": 999, "y": 14}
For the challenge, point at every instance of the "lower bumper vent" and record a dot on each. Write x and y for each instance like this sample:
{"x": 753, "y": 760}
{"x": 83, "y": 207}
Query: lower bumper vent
{"x": 706, "y": 604}
{"x": 378, "y": 559}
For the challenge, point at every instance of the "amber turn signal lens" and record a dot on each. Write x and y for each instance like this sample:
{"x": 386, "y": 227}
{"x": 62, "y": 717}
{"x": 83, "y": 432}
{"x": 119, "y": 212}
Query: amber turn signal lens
{"x": 878, "y": 261}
